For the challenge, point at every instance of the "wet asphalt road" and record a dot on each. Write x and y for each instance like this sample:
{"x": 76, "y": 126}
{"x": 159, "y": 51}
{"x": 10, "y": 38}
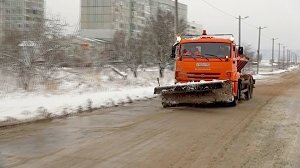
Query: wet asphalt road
{"x": 263, "y": 132}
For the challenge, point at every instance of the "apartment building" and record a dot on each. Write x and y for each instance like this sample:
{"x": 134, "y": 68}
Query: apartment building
{"x": 102, "y": 18}
{"x": 194, "y": 28}
{"x": 19, "y": 14}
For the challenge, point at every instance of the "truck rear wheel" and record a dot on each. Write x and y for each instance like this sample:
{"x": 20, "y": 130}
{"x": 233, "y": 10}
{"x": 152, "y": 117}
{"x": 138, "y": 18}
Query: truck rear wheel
{"x": 249, "y": 93}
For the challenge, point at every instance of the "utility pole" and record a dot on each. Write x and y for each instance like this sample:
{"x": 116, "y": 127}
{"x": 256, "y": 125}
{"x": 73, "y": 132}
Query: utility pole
{"x": 278, "y": 64}
{"x": 176, "y": 18}
{"x": 273, "y": 40}
{"x": 258, "y": 49}
{"x": 293, "y": 58}
{"x": 240, "y": 28}
{"x": 283, "y": 57}
{"x": 287, "y": 57}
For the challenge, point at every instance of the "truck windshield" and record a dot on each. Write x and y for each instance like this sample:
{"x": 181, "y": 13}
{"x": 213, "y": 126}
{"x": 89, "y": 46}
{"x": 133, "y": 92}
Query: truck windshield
{"x": 205, "y": 50}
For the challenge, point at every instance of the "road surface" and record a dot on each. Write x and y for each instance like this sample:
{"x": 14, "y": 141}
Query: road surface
{"x": 263, "y": 132}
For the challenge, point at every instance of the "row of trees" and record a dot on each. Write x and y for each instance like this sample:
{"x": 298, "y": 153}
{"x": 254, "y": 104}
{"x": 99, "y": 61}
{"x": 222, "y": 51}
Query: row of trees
{"x": 150, "y": 47}
{"x": 41, "y": 50}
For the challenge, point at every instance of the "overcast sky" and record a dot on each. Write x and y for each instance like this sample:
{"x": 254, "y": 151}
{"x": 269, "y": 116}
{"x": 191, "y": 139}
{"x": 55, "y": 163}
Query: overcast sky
{"x": 280, "y": 16}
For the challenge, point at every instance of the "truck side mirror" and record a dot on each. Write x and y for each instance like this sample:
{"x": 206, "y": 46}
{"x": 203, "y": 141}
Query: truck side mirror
{"x": 173, "y": 54}
{"x": 241, "y": 51}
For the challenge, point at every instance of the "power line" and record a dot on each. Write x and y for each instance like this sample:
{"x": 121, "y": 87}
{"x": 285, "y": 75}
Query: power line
{"x": 249, "y": 24}
{"x": 220, "y": 10}
{"x": 227, "y": 13}
{"x": 255, "y": 27}
{"x": 234, "y": 17}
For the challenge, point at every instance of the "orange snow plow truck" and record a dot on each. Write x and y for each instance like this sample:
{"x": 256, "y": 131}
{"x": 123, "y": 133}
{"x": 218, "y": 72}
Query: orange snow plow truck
{"x": 208, "y": 70}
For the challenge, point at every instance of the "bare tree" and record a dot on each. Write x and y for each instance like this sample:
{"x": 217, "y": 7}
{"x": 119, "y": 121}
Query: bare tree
{"x": 160, "y": 35}
{"x": 35, "y": 51}
{"x": 129, "y": 50}
{"x": 152, "y": 45}
{"x": 249, "y": 51}
{"x": 134, "y": 55}
{"x": 251, "y": 54}
{"x": 118, "y": 45}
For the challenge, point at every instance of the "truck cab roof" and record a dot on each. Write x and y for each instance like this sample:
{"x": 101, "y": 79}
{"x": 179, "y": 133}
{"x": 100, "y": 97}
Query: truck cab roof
{"x": 207, "y": 39}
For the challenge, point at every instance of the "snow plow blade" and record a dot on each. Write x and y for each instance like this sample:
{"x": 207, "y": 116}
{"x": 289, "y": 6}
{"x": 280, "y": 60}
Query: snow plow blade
{"x": 195, "y": 93}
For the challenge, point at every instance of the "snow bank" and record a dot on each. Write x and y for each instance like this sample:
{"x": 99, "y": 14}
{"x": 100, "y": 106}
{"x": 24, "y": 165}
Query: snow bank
{"x": 21, "y": 108}
{"x": 265, "y": 63}
{"x": 77, "y": 93}
{"x": 263, "y": 75}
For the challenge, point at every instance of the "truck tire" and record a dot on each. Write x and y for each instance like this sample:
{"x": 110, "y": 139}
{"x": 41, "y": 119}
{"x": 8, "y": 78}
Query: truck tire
{"x": 236, "y": 98}
{"x": 234, "y": 102}
{"x": 251, "y": 91}
{"x": 248, "y": 93}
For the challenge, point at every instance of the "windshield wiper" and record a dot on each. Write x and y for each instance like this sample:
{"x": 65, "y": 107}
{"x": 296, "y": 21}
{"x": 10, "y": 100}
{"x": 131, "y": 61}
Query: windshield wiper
{"x": 202, "y": 56}
{"x": 213, "y": 56}
{"x": 188, "y": 56}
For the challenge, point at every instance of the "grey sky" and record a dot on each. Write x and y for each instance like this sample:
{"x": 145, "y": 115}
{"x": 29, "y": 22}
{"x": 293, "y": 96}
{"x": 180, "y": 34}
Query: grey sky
{"x": 281, "y": 18}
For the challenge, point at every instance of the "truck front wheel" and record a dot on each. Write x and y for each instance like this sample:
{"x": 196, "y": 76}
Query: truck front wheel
{"x": 234, "y": 102}
{"x": 237, "y": 97}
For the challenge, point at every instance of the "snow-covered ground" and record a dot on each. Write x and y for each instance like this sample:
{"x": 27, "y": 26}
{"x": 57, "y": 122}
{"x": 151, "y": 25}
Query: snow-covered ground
{"x": 267, "y": 72}
{"x": 75, "y": 93}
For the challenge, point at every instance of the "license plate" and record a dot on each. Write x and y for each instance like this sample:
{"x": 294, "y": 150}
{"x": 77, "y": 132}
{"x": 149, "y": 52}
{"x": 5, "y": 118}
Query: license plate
{"x": 202, "y": 64}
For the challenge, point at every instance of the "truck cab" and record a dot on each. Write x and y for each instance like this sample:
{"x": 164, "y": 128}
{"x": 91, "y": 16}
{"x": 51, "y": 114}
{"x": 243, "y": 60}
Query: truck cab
{"x": 207, "y": 58}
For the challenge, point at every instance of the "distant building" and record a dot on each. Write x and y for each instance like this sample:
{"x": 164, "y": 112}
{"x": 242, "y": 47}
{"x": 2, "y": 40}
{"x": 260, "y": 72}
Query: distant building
{"x": 169, "y": 5}
{"x": 100, "y": 19}
{"x": 194, "y": 28}
{"x": 19, "y": 14}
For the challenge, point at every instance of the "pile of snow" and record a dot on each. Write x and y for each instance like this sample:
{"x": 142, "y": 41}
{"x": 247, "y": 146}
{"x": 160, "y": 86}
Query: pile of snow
{"x": 265, "y": 63}
{"x": 76, "y": 93}
{"x": 263, "y": 75}
{"x": 37, "y": 106}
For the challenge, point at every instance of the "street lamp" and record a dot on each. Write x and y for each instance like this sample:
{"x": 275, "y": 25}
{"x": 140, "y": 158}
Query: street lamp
{"x": 273, "y": 40}
{"x": 258, "y": 50}
{"x": 279, "y": 64}
{"x": 288, "y": 52}
{"x": 240, "y": 28}
{"x": 283, "y": 57}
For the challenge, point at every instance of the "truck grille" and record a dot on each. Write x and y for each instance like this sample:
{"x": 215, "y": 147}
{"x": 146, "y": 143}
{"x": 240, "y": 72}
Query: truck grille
{"x": 203, "y": 76}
